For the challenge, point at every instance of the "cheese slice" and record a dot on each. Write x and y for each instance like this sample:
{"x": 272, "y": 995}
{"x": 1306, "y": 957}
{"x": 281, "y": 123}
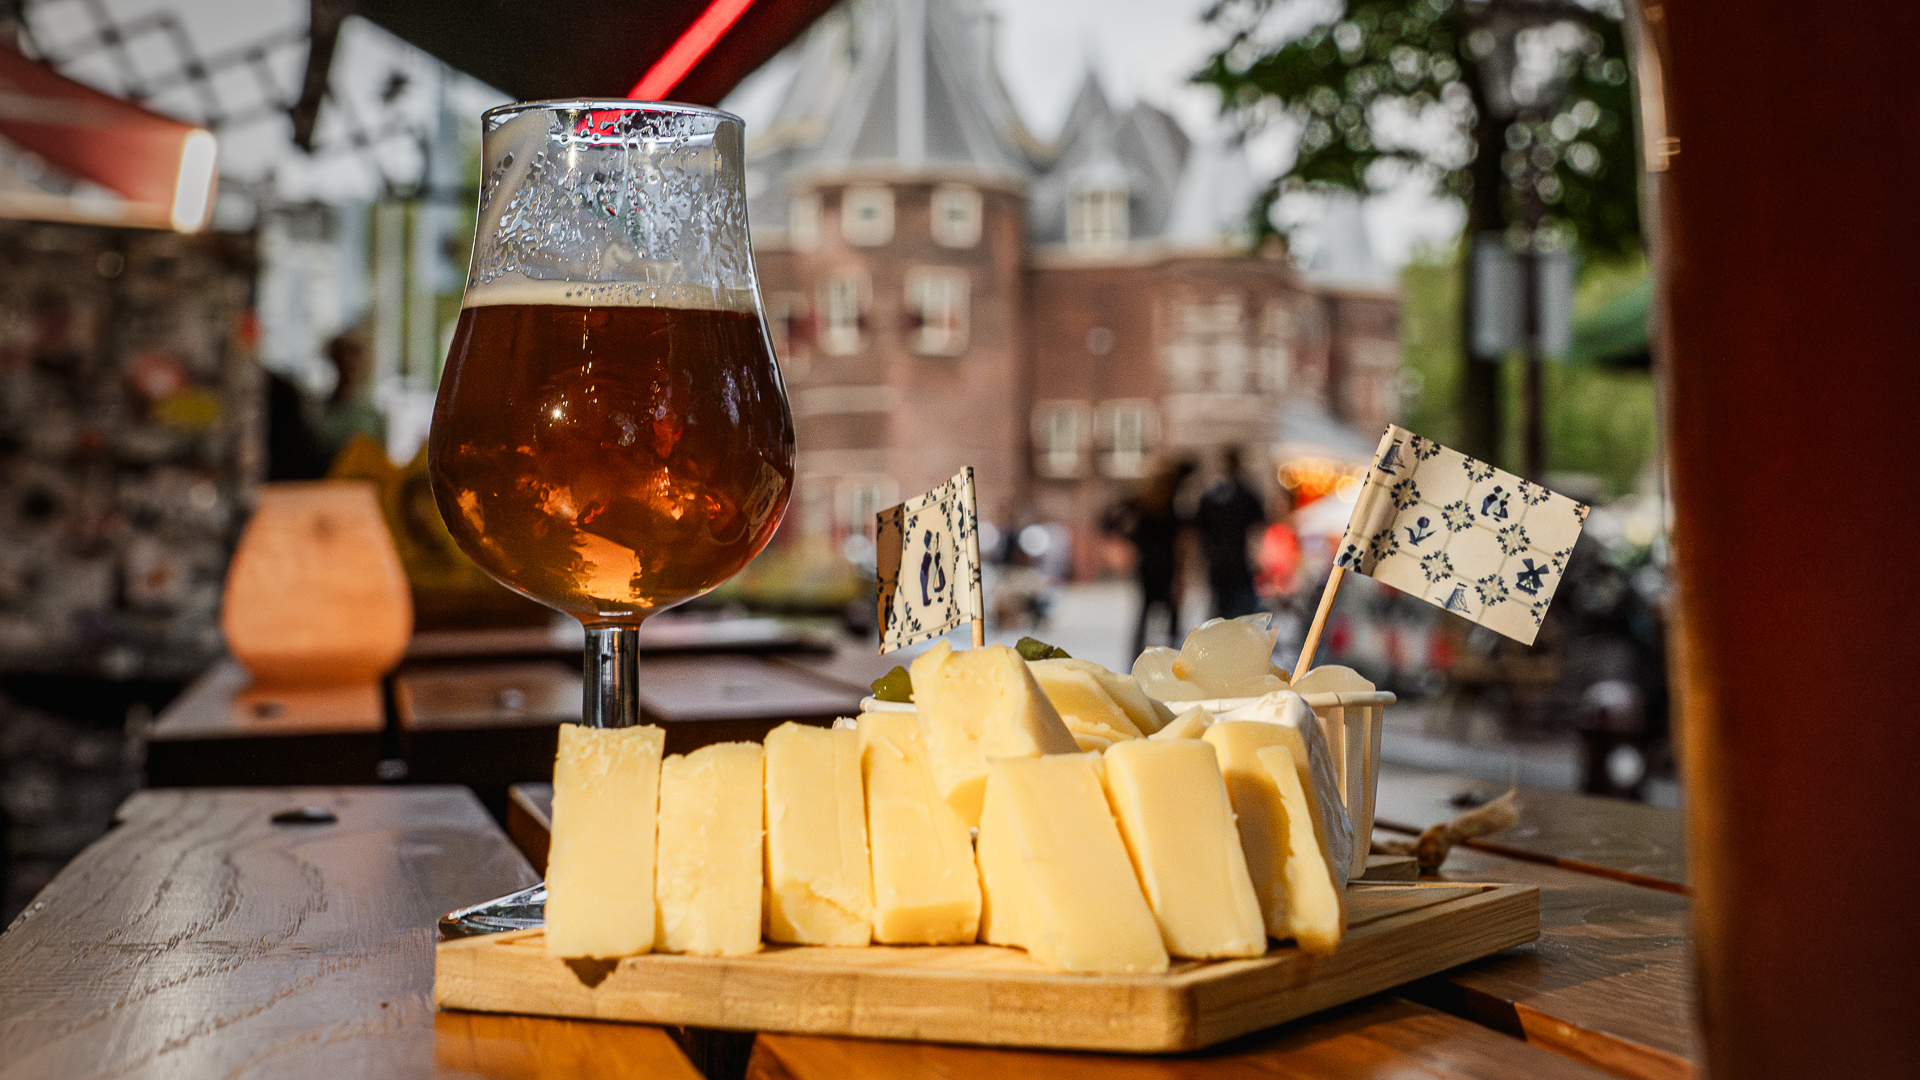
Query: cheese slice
{"x": 1188, "y": 725}
{"x": 600, "y": 865}
{"x": 1318, "y": 774}
{"x": 1316, "y": 903}
{"x": 1147, "y": 714}
{"x": 708, "y": 888}
{"x": 1005, "y": 896}
{"x": 1170, "y": 801}
{"x": 978, "y": 704}
{"x": 926, "y": 889}
{"x": 1084, "y": 705}
{"x": 1057, "y": 864}
{"x": 1260, "y": 814}
{"x": 819, "y": 880}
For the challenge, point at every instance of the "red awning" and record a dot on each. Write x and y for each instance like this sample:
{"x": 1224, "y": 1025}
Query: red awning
{"x": 165, "y": 169}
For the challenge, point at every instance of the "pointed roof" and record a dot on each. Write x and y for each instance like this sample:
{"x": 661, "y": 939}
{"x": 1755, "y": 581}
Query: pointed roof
{"x": 924, "y": 93}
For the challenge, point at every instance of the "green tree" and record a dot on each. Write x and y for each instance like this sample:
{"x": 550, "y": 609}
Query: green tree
{"x": 1519, "y": 109}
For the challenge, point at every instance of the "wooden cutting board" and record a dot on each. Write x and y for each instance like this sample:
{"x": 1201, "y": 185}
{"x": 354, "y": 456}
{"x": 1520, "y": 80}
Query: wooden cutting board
{"x": 992, "y": 996}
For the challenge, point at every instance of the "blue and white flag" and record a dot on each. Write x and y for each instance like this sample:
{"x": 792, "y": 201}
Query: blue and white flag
{"x": 1459, "y": 533}
{"x": 929, "y": 564}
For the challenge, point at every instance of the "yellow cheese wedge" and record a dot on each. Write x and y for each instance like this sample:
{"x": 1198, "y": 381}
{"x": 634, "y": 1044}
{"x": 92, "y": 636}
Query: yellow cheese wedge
{"x": 926, "y": 889}
{"x": 1005, "y": 896}
{"x": 1259, "y": 814}
{"x": 1147, "y": 714}
{"x": 1058, "y": 865}
{"x": 1316, "y": 904}
{"x": 1084, "y": 705}
{"x": 819, "y": 880}
{"x": 1171, "y": 804}
{"x": 1188, "y": 725}
{"x": 708, "y": 888}
{"x": 1318, "y": 774}
{"x": 606, "y": 784}
{"x": 980, "y": 704}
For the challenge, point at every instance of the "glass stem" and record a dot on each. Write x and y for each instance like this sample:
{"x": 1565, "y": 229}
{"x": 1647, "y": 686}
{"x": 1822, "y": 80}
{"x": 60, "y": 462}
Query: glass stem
{"x": 611, "y": 665}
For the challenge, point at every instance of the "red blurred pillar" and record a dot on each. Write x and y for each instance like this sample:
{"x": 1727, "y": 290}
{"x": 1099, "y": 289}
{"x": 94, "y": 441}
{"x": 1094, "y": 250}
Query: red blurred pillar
{"x": 1792, "y": 251}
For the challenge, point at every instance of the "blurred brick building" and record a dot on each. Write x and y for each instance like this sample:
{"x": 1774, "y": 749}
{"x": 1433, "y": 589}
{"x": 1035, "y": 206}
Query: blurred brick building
{"x": 945, "y": 288}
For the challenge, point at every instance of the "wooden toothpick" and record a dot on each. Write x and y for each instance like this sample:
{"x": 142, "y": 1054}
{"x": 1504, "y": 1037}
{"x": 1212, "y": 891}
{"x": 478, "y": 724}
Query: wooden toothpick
{"x": 1308, "y": 647}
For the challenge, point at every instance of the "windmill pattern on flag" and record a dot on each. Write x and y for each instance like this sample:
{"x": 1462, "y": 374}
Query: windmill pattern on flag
{"x": 928, "y": 552}
{"x": 1461, "y": 534}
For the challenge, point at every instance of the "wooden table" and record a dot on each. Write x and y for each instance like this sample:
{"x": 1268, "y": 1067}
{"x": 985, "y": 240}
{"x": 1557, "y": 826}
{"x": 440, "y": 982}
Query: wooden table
{"x": 200, "y": 939}
{"x": 1608, "y": 983}
{"x": 221, "y": 730}
{"x": 1614, "y": 838}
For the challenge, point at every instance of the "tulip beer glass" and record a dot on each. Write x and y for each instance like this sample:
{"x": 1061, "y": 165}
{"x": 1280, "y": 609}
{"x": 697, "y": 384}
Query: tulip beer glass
{"x": 611, "y": 436}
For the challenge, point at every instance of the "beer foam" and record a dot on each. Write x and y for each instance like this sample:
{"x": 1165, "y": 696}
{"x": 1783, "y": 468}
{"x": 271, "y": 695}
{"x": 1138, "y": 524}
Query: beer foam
{"x": 515, "y": 289}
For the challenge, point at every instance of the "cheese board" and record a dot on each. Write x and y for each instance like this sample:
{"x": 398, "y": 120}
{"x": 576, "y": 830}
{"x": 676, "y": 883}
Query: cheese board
{"x": 986, "y": 995}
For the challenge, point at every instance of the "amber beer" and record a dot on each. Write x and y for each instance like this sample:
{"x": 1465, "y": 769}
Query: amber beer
{"x": 610, "y": 459}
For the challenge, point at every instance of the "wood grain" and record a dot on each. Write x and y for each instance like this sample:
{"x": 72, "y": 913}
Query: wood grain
{"x": 1609, "y": 982}
{"x": 536, "y": 1048}
{"x": 1630, "y": 841}
{"x": 1381, "y": 1039}
{"x": 199, "y": 939}
{"x": 987, "y": 995}
{"x": 223, "y": 731}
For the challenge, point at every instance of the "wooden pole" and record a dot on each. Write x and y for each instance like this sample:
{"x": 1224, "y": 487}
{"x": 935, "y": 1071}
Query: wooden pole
{"x": 1312, "y": 644}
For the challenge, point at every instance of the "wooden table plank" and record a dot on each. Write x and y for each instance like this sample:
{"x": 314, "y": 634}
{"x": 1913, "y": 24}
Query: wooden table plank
{"x": 1378, "y": 1038}
{"x": 526, "y": 1048}
{"x": 221, "y": 730}
{"x": 200, "y": 939}
{"x": 1627, "y": 840}
{"x": 1609, "y": 982}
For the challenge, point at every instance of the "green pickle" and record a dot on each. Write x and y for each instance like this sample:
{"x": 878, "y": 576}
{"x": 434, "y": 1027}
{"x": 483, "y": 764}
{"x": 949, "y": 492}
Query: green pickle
{"x": 1032, "y": 648}
{"x": 895, "y": 685}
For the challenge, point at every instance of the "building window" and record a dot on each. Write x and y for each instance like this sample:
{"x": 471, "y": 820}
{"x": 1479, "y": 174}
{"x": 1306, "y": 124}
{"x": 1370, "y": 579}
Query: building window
{"x": 1276, "y": 348}
{"x": 861, "y": 497}
{"x": 937, "y": 311}
{"x": 866, "y": 215}
{"x": 1061, "y": 432}
{"x": 1129, "y": 428}
{"x": 786, "y": 324}
{"x": 956, "y": 216}
{"x": 843, "y": 313}
{"x": 803, "y": 222}
{"x": 1097, "y": 221}
{"x": 1207, "y": 350}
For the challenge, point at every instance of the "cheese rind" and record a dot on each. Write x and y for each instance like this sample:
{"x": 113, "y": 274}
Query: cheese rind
{"x": 1316, "y": 904}
{"x": 1063, "y": 871}
{"x": 978, "y": 704}
{"x": 601, "y": 861}
{"x": 926, "y": 889}
{"x": 708, "y": 886}
{"x": 1094, "y": 718}
{"x": 1170, "y": 801}
{"x": 819, "y": 878}
{"x": 1318, "y": 773}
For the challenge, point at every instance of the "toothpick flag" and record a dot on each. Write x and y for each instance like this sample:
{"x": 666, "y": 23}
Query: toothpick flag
{"x": 1459, "y": 533}
{"x": 929, "y": 565}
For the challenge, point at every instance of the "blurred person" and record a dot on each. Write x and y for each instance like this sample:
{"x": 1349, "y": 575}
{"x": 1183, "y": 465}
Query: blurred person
{"x": 1228, "y": 511}
{"x": 1279, "y": 571}
{"x": 350, "y": 409}
{"x": 1152, "y": 524}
